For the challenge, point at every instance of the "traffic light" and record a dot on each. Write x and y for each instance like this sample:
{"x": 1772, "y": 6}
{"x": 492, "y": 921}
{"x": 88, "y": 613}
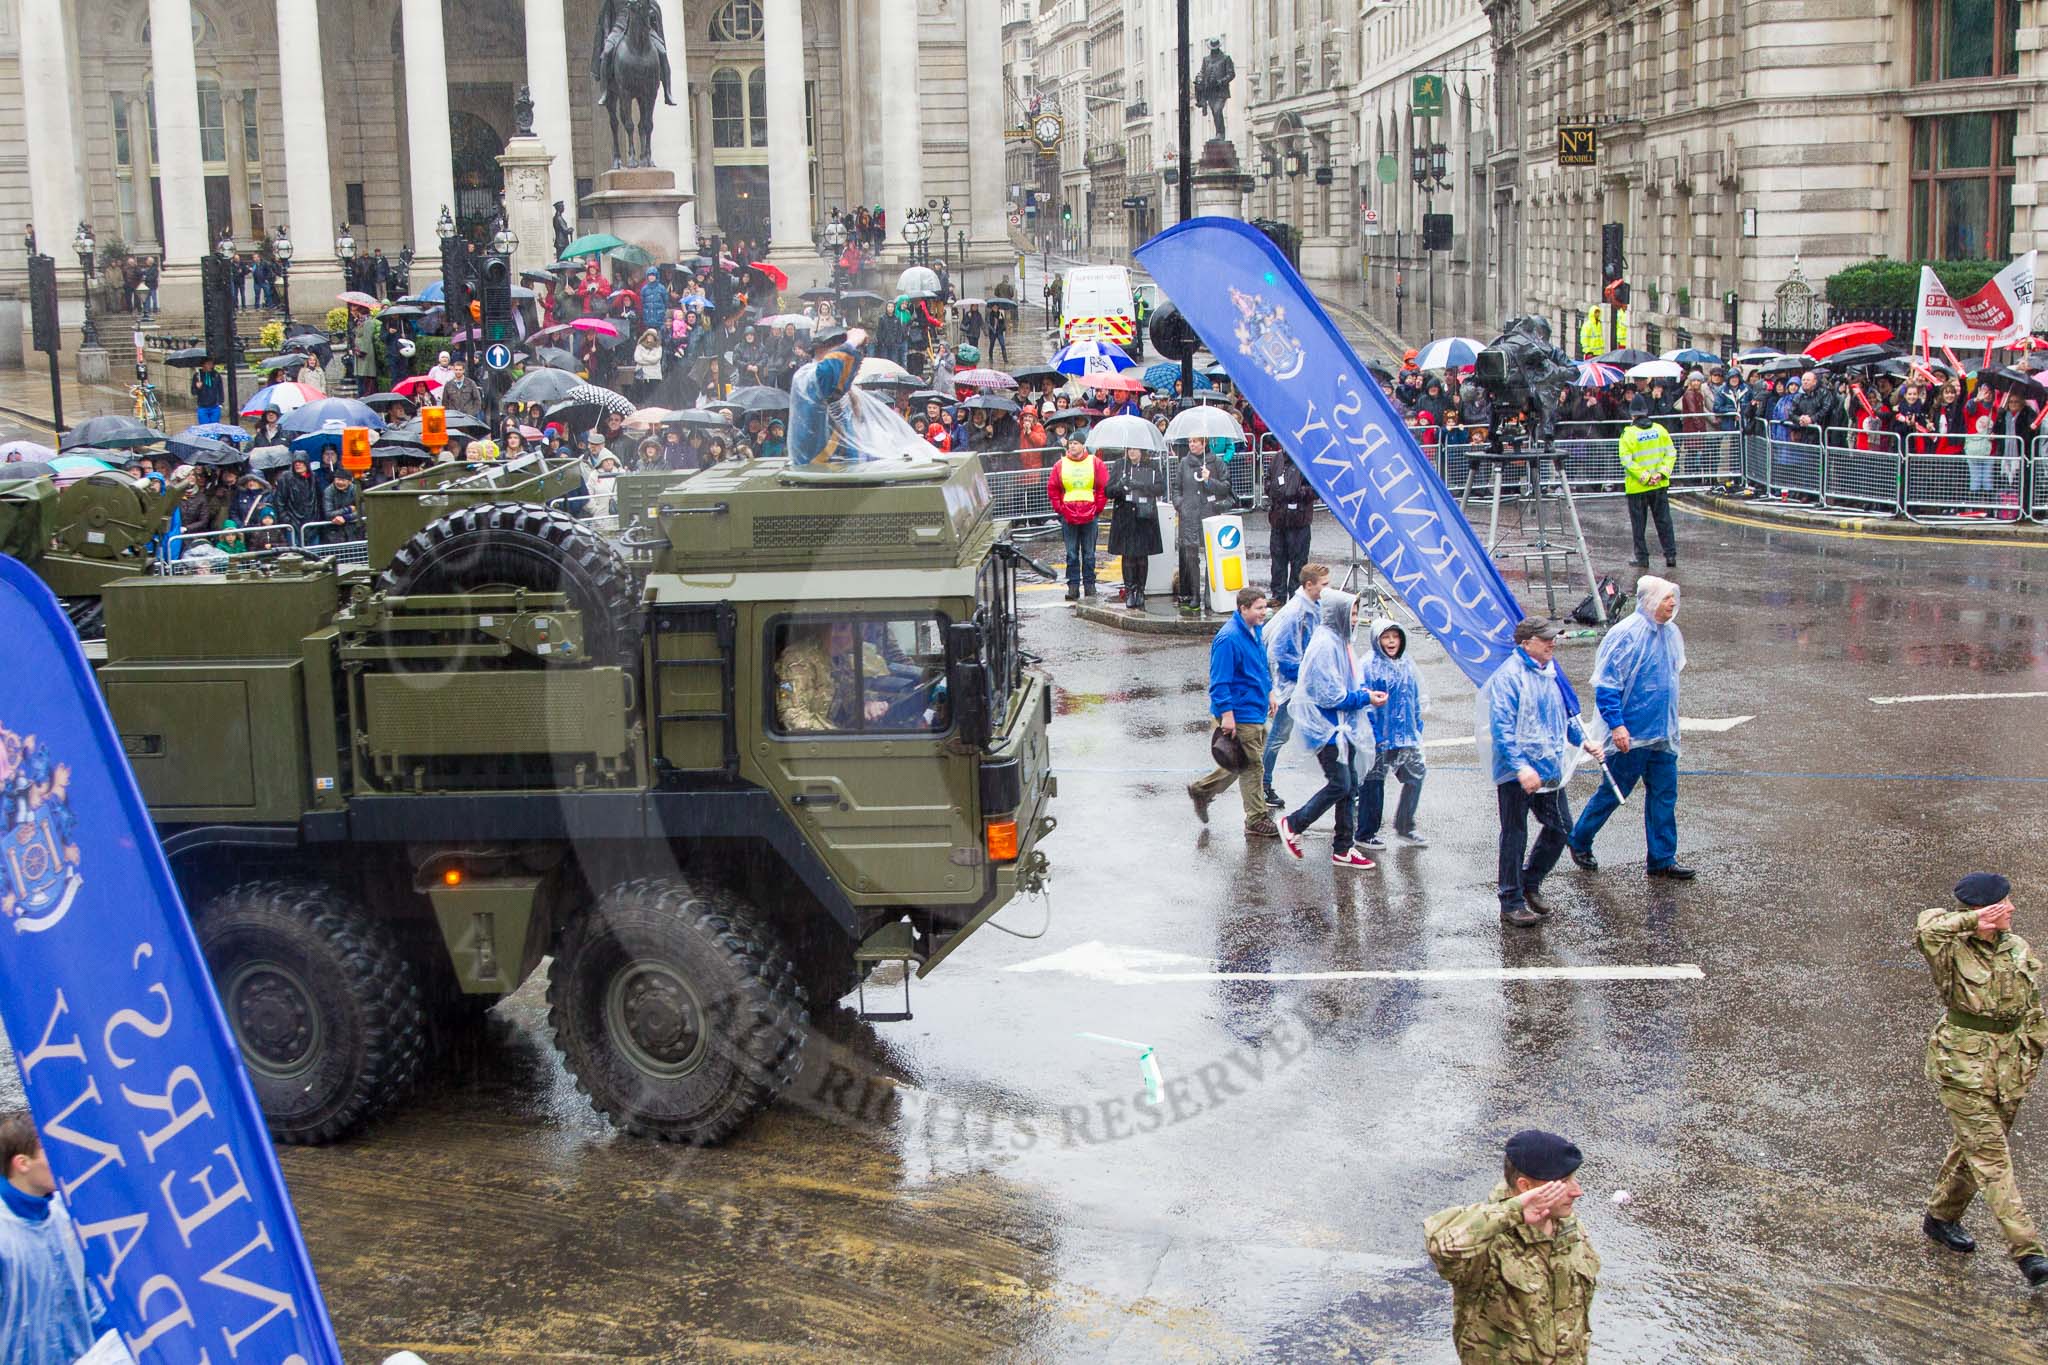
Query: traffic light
{"x": 355, "y": 449}
{"x": 42, "y": 302}
{"x": 1436, "y": 232}
{"x": 216, "y": 292}
{"x": 1066, "y": 213}
{"x": 497, "y": 299}
{"x": 1613, "y": 263}
{"x": 455, "y": 278}
{"x": 1170, "y": 333}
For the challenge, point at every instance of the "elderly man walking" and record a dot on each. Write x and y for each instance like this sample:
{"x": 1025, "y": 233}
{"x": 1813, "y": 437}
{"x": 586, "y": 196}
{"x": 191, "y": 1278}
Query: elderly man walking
{"x": 1240, "y": 699}
{"x": 1528, "y": 721}
{"x": 1635, "y": 690}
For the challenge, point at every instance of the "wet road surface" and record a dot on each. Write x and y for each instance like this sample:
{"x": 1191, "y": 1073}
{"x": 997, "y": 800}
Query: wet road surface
{"x": 981, "y": 1183}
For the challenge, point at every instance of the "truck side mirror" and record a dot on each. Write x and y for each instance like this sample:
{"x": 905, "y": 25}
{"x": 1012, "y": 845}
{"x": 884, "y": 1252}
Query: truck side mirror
{"x": 967, "y": 684}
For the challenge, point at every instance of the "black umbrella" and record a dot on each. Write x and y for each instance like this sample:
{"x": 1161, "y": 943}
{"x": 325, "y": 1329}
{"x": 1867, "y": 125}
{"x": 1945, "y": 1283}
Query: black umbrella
{"x": 191, "y": 358}
{"x": 813, "y": 295}
{"x": 272, "y": 457}
{"x": 402, "y": 310}
{"x": 1035, "y": 372}
{"x": 537, "y": 276}
{"x": 1626, "y": 356}
{"x": 1000, "y": 302}
{"x": 457, "y": 420}
{"x": 288, "y": 360}
{"x": 563, "y": 267}
{"x": 312, "y": 343}
{"x": 990, "y": 402}
{"x": 751, "y": 398}
{"x": 217, "y": 454}
{"x": 2009, "y": 380}
{"x": 381, "y": 400}
{"x": 556, "y": 358}
{"x": 922, "y": 396}
{"x": 26, "y": 469}
{"x": 542, "y": 386}
{"x": 860, "y": 296}
{"x": 697, "y": 417}
{"x": 1072, "y": 415}
{"x": 114, "y": 431}
{"x": 1871, "y": 353}
{"x": 1786, "y": 364}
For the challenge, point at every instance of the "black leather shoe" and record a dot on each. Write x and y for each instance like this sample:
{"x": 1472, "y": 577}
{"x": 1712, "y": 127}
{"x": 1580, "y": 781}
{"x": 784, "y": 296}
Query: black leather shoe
{"x": 1950, "y": 1235}
{"x": 1676, "y": 872}
{"x": 1536, "y": 901}
{"x": 1519, "y": 916}
{"x": 2035, "y": 1268}
{"x": 1274, "y": 800}
{"x": 1586, "y": 862}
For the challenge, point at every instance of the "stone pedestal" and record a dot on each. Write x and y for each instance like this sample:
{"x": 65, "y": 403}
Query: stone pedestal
{"x": 639, "y": 206}
{"x": 93, "y": 365}
{"x": 529, "y": 202}
{"x": 1219, "y": 185}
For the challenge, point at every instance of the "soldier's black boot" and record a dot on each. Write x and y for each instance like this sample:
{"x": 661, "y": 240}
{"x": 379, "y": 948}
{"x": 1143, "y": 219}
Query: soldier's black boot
{"x": 2035, "y": 1268}
{"x": 1950, "y": 1235}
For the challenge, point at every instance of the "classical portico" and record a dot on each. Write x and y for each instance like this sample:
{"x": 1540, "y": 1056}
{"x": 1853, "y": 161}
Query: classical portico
{"x": 166, "y": 123}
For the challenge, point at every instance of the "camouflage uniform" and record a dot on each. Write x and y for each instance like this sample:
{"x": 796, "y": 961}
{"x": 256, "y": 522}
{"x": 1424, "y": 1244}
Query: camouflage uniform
{"x": 1983, "y": 1056}
{"x": 1518, "y": 1296}
{"x": 815, "y": 691}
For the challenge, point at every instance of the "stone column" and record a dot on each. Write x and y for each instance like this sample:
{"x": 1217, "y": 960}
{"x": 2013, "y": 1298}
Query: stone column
{"x": 177, "y": 133}
{"x": 707, "y": 176}
{"x": 142, "y": 169}
{"x": 789, "y": 158}
{"x": 308, "y": 177}
{"x": 428, "y": 144}
{"x": 674, "y": 148}
{"x": 902, "y": 134}
{"x": 240, "y": 222}
{"x": 547, "y": 76}
{"x": 988, "y": 230}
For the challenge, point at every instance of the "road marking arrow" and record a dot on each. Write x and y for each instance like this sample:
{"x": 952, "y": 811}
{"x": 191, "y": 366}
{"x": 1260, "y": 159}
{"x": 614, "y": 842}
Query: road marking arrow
{"x": 1125, "y": 966}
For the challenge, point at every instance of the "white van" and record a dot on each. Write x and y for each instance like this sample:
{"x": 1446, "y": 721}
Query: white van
{"x": 1096, "y": 305}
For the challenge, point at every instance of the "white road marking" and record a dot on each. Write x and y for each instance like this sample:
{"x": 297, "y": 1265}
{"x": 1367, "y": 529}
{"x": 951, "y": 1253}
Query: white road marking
{"x": 1713, "y": 725}
{"x": 1957, "y": 696}
{"x": 1145, "y": 966}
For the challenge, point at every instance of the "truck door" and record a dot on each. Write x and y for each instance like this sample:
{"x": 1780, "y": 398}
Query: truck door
{"x": 855, "y": 735}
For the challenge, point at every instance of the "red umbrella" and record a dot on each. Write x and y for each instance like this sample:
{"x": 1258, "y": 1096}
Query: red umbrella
{"x": 774, "y": 274}
{"x": 1848, "y": 334}
{"x": 598, "y": 325}
{"x": 1113, "y": 383}
{"x": 416, "y": 384}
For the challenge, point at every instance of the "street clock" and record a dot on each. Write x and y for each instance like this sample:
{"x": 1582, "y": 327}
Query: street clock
{"x": 1046, "y": 128}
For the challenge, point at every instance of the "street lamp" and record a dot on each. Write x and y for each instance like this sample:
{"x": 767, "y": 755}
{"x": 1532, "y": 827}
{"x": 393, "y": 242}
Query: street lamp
{"x": 917, "y": 235}
{"x": 505, "y": 241}
{"x": 281, "y": 251}
{"x": 87, "y": 248}
{"x": 946, "y": 231}
{"x": 444, "y": 226}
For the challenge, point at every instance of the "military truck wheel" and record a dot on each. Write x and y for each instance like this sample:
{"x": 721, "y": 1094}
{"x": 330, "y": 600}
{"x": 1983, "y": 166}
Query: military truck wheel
{"x": 321, "y": 1001}
{"x": 521, "y": 545}
{"x": 677, "y": 1013}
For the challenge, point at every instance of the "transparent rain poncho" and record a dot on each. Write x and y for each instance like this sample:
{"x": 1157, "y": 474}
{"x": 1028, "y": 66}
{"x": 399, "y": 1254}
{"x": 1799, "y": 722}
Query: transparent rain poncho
{"x": 1638, "y": 667}
{"x": 1398, "y": 724}
{"x": 1520, "y": 718}
{"x": 1329, "y": 702}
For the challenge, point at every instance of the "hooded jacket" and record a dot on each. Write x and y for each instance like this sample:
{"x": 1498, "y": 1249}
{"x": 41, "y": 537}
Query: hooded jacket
{"x": 1635, "y": 673}
{"x": 1524, "y": 720}
{"x": 1329, "y": 702}
{"x": 1397, "y": 724}
{"x": 1288, "y": 632}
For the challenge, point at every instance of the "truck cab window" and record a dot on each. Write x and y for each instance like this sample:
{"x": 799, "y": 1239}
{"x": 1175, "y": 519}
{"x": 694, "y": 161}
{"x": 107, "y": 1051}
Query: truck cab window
{"x": 860, "y": 676}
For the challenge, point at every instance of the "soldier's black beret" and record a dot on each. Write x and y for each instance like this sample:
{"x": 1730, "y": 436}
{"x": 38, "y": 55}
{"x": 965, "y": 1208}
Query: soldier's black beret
{"x": 1983, "y": 888}
{"x": 1543, "y": 1156}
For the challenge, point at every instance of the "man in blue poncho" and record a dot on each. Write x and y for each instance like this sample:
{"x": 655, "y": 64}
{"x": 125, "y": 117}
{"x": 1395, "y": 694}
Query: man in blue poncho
{"x": 47, "y": 1310}
{"x": 1635, "y": 689}
{"x": 1528, "y": 726}
{"x": 818, "y": 388}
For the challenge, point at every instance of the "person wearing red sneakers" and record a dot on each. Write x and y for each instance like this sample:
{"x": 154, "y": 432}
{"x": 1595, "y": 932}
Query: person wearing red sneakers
{"x": 1329, "y": 707}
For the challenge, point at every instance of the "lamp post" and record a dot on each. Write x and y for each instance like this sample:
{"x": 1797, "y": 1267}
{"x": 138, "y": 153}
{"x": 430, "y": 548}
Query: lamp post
{"x": 497, "y": 307}
{"x": 281, "y": 252}
{"x": 87, "y": 248}
{"x": 946, "y": 232}
{"x": 1429, "y": 168}
{"x": 345, "y": 252}
{"x": 454, "y": 275}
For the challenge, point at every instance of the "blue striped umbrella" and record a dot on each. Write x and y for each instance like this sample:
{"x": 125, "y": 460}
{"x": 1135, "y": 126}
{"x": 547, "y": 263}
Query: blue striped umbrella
{"x": 1092, "y": 357}
{"x": 1161, "y": 378}
{"x": 1449, "y": 353}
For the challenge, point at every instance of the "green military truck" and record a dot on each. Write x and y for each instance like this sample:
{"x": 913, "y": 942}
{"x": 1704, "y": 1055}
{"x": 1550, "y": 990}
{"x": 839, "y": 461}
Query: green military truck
{"x": 716, "y": 762}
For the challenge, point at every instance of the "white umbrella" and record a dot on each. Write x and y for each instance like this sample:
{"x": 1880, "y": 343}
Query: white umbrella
{"x": 796, "y": 320}
{"x": 918, "y": 279}
{"x": 1655, "y": 369}
{"x": 1126, "y": 432}
{"x": 875, "y": 370}
{"x": 1206, "y": 422}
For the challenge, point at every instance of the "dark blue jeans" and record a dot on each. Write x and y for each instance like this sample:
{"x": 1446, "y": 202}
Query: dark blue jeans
{"x": 1658, "y": 769}
{"x": 1553, "y": 812}
{"x": 1405, "y": 765}
{"x": 1339, "y": 781}
{"x": 1080, "y": 554}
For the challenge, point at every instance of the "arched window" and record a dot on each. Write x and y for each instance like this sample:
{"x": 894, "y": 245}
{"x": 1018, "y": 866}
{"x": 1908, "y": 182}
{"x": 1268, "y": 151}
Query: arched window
{"x": 757, "y": 106}
{"x": 728, "y": 109}
{"x": 737, "y": 21}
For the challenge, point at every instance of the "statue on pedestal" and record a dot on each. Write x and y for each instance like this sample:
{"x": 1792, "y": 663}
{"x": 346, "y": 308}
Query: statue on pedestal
{"x": 522, "y": 112}
{"x": 1212, "y": 83}
{"x": 562, "y": 233}
{"x": 628, "y": 59}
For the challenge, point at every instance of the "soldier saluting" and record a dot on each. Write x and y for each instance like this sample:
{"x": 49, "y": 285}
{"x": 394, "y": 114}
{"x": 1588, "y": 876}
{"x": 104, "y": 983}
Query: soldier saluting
{"x": 1521, "y": 1270}
{"x": 1982, "y": 1057}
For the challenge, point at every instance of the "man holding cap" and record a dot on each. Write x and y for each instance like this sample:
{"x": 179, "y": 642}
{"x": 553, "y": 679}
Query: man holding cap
{"x": 1521, "y": 1270}
{"x": 1527, "y": 722}
{"x": 1982, "y": 1057}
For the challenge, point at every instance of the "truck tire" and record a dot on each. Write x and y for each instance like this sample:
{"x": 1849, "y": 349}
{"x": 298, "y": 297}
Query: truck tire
{"x": 675, "y": 1010}
{"x": 522, "y": 545}
{"x": 322, "y": 1003}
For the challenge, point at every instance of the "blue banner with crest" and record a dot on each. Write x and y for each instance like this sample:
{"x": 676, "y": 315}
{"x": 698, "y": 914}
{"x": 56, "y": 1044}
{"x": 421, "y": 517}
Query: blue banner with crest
{"x": 152, "y": 1132}
{"x": 1235, "y": 288}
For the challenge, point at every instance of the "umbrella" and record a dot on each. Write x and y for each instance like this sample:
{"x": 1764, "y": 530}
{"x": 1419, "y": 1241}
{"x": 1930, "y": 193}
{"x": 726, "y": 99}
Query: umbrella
{"x": 1072, "y": 415}
{"x": 989, "y": 402}
{"x": 315, "y": 416}
{"x": 355, "y": 298}
{"x": 593, "y": 399}
{"x": 796, "y": 320}
{"x": 191, "y": 358}
{"x": 284, "y": 397}
{"x": 1625, "y": 357}
{"x": 434, "y": 293}
{"x": 1211, "y": 424}
{"x": 1593, "y": 375}
{"x": 69, "y": 469}
{"x": 555, "y": 358}
{"x": 969, "y": 303}
{"x": 1163, "y": 376}
{"x": 1083, "y": 357}
{"x": 1113, "y": 383}
{"x": 1786, "y": 364}
{"x": 636, "y": 257}
{"x": 985, "y": 379}
{"x": 1449, "y": 353}
{"x": 267, "y": 458}
{"x": 384, "y": 400}
{"x": 1755, "y": 354}
{"x": 593, "y": 244}
{"x": 553, "y": 329}
{"x": 919, "y": 397}
{"x": 774, "y": 274}
{"x": 1126, "y": 433}
{"x": 967, "y": 355}
{"x": 562, "y": 268}
{"x": 1031, "y": 373}
{"x": 113, "y": 432}
{"x": 537, "y": 276}
{"x": 2009, "y": 380}
{"x": 757, "y": 398}
{"x": 289, "y": 360}
{"x": 1655, "y": 369}
{"x": 860, "y": 296}
{"x": 1010, "y": 304}
{"x": 647, "y": 417}
{"x": 214, "y": 431}
{"x": 18, "y": 452}
{"x": 1841, "y": 338}
{"x": 697, "y": 417}
{"x": 402, "y": 310}
{"x": 813, "y": 295}
{"x": 546, "y": 385}
{"x": 1692, "y": 355}
{"x": 694, "y": 301}
{"x": 27, "y": 469}
{"x": 918, "y": 279}
{"x": 218, "y": 454}
{"x": 875, "y": 370}
{"x": 414, "y": 388}
{"x": 597, "y": 325}
{"x": 1864, "y": 353}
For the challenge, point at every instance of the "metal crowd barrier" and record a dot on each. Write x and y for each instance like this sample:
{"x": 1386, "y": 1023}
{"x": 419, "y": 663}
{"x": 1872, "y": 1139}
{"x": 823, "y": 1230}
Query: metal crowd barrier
{"x": 2037, "y": 481}
{"x": 220, "y": 548}
{"x": 1860, "y": 469}
{"x": 1988, "y": 481}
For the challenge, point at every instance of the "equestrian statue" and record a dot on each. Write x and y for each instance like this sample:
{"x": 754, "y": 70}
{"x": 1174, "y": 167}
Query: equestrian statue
{"x": 628, "y": 60}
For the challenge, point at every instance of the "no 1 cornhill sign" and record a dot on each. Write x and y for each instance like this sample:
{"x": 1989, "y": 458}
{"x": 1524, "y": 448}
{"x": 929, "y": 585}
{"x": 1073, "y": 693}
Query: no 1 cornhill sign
{"x": 1578, "y": 144}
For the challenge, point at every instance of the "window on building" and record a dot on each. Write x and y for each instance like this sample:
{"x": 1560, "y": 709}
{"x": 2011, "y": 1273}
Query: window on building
{"x": 1957, "y": 40}
{"x": 728, "y": 108}
{"x": 757, "y": 106}
{"x": 352, "y": 195}
{"x": 810, "y": 114}
{"x": 252, "y": 148}
{"x": 737, "y": 21}
{"x": 1962, "y": 186}
{"x": 213, "y": 132}
{"x": 124, "y": 155}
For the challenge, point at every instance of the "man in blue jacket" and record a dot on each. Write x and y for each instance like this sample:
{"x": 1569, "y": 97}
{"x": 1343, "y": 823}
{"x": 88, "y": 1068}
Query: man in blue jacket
{"x": 1240, "y": 699}
{"x": 1635, "y": 688}
{"x": 1528, "y": 723}
{"x": 1286, "y": 635}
